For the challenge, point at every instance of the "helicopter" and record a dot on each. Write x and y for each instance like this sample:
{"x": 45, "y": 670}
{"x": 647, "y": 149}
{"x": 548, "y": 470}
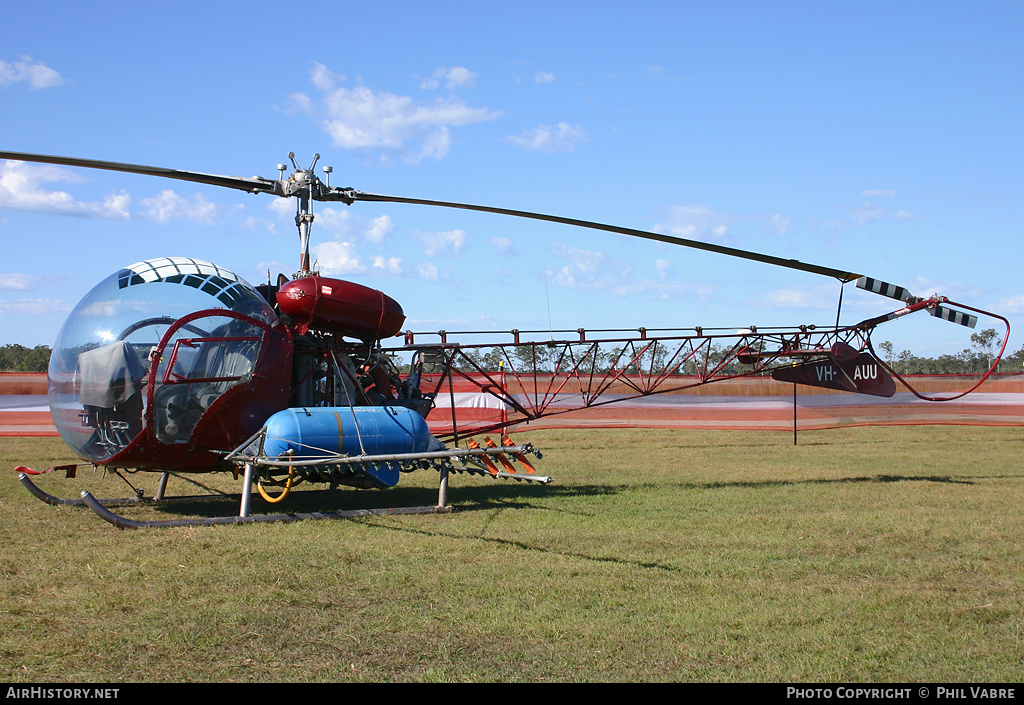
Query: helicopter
{"x": 178, "y": 365}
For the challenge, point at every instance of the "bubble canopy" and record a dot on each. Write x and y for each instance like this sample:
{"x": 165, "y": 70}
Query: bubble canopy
{"x": 101, "y": 361}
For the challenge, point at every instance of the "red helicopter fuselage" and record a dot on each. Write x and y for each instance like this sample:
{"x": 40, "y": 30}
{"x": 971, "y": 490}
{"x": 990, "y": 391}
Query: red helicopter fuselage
{"x": 201, "y": 361}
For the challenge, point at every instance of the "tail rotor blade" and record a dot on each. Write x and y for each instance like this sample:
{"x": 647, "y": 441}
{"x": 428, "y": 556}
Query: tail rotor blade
{"x": 901, "y": 294}
{"x": 879, "y": 287}
{"x": 959, "y": 317}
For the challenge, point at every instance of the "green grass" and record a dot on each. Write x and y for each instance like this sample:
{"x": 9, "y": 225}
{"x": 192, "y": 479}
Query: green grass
{"x": 871, "y": 554}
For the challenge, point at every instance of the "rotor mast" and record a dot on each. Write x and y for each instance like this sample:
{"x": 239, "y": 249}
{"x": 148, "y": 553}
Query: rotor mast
{"x": 303, "y": 183}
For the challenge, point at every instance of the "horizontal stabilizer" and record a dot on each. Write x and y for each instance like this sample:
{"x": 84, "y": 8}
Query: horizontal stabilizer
{"x": 948, "y": 314}
{"x": 880, "y": 287}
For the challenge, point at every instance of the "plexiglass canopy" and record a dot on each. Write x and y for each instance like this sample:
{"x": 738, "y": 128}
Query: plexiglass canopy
{"x": 102, "y": 358}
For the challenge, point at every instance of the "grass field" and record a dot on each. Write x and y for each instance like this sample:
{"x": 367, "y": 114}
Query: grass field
{"x": 867, "y": 554}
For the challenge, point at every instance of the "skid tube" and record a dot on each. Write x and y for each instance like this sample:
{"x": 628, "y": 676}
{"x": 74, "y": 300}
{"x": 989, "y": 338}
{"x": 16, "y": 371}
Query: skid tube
{"x": 48, "y": 498}
{"x": 123, "y": 523}
{"x": 101, "y": 508}
{"x": 442, "y": 458}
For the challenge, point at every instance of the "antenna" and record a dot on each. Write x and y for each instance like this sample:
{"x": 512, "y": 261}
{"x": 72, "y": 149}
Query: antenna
{"x": 547, "y": 298}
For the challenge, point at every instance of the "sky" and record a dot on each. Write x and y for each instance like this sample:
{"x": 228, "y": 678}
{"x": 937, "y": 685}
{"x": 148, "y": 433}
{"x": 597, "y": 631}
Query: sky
{"x": 876, "y": 137}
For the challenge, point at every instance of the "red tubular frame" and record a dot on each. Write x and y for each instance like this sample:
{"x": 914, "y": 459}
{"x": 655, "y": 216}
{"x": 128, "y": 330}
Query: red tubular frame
{"x": 575, "y": 366}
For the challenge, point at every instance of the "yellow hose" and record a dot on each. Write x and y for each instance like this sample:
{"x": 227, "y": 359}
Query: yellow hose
{"x": 287, "y": 488}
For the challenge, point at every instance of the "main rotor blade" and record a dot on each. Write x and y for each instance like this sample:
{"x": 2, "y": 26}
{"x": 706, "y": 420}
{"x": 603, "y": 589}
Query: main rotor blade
{"x": 253, "y": 185}
{"x": 258, "y": 184}
{"x": 842, "y": 276}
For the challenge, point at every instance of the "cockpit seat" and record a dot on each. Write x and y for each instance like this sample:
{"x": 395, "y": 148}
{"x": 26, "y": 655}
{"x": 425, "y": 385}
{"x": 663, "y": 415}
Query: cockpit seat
{"x": 218, "y": 366}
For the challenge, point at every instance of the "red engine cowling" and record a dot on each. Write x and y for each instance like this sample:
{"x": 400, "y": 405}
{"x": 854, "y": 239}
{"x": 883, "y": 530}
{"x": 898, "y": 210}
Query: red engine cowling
{"x": 337, "y": 306}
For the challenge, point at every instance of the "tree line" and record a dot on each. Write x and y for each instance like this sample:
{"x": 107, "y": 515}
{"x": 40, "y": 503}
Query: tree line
{"x": 18, "y": 358}
{"x": 976, "y": 359}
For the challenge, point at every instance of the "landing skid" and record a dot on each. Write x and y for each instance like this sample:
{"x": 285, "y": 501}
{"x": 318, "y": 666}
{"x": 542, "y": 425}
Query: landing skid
{"x": 101, "y": 508}
{"x": 48, "y": 498}
{"x": 123, "y": 523}
{"x": 247, "y": 456}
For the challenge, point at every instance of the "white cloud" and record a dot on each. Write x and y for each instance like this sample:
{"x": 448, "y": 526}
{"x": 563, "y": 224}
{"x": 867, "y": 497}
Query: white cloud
{"x": 453, "y": 77}
{"x": 436, "y": 144}
{"x": 589, "y": 269}
{"x": 874, "y": 193}
{"x": 120, "y": 307}
{"x": 503, "y": 245}
{"x": 438, "y": 243}
{"x": 1014, "y": 304}
{"x": 337, "y": 258}
{"x": 391, "y": 266}
{"x": 836, "y": 226}
{"x": 781, "y": 223}
{"x": 28, "y": 71}
{"x": 35, "y": 307}
{"x": 695, "y": 222}
{"x": 169, "y": 205}
{"x": 19, "y": 282}
{"x": 818, "y": 297}
{"x": 284, "y": 207}
{"x": 335, "y": 222}
{"x": 958, "y": 291}
{"x": 361, "y": 118}
{"x": 562, "y": 137}
{"x": 428, "y": 271}
{"x": 662, "y": 289}
{"x": 698, "y": 222}
{"x": 22, "y": 186}
{"x": 792, "y": 298}
{"x": 543, "y": 77}
{"x": 867, "y": 213}
{"x": 379, "y": 229}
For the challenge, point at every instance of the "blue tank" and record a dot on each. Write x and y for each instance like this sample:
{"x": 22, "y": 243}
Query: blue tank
{"x": 317, "y": 432}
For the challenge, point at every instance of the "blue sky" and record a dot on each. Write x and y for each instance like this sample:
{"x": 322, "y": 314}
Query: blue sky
{"x": 883, "y": 138}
